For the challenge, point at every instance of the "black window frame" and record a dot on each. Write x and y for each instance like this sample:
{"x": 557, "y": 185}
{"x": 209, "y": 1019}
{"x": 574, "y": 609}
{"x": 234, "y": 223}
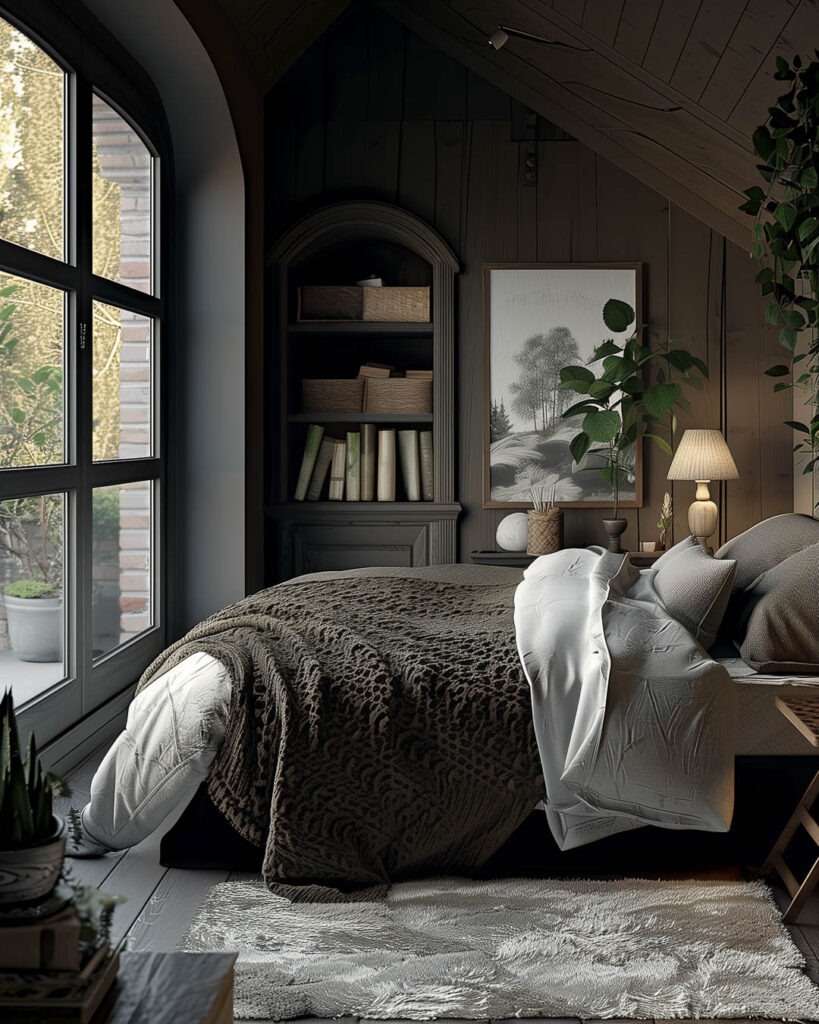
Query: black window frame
{"x": 95, "y": 62}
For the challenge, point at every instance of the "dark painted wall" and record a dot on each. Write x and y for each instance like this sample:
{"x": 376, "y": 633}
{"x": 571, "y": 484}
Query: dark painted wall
{"x": 372, "y": 111}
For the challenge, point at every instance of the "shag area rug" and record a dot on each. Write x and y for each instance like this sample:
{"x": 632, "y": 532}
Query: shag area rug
{"x": 450, "y": 947}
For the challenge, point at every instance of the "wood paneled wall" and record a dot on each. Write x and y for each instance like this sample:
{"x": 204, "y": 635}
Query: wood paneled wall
{"x": 373, "y": 111}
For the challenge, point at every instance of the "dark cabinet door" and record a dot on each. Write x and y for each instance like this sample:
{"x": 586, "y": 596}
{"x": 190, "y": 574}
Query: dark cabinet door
{"x": 318, "y": 548}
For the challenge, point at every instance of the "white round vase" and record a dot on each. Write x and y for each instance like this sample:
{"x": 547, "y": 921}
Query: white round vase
{"x": 513, "y": 532}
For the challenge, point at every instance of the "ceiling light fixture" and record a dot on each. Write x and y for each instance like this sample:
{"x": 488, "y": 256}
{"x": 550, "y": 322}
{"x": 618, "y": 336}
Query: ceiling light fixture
{"x": 500, "y": 37}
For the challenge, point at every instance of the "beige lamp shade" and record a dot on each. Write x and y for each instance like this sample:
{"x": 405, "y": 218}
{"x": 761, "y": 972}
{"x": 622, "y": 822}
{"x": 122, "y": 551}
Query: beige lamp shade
{"x": 702, "y": 455}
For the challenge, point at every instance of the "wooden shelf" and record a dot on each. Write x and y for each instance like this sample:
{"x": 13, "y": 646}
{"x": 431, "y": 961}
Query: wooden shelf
{"x": 396, "y": 329}
{"x": 373, "y": 510}
{"x": 360, "y": 417}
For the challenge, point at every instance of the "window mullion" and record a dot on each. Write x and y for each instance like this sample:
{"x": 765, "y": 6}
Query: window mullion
{"x": 80, "y": 233}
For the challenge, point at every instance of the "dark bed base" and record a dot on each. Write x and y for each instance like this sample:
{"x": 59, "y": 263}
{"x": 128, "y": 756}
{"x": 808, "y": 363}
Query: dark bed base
{"x": 767, "y": 788}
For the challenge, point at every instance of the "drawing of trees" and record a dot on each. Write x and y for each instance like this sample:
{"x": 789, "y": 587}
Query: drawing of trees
{"x": 536, "y": 392}
{"x": 499, "y": 423}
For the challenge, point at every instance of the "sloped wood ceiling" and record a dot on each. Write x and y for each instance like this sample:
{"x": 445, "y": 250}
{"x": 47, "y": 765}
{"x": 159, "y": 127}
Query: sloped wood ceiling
{"x": 275, "y": 33}
{"x": 670, "y": 90}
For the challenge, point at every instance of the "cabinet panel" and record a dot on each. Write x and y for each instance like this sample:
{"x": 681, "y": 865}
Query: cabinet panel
{"x": 317, "y": 548}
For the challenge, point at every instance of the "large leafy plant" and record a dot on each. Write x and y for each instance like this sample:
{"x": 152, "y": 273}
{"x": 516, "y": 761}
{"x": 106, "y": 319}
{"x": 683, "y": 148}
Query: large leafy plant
{"x": 786, "y": 236}
{"x": 620, "y": 401}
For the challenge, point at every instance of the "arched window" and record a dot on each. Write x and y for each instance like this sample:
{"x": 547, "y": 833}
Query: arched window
{"x": 83, "y": 312}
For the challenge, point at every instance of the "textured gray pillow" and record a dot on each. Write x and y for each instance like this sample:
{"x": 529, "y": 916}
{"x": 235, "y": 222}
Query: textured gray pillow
{"x": 779, "y": 628}
{"x": 695, "y": 588}
{"x": 767, "y": 544}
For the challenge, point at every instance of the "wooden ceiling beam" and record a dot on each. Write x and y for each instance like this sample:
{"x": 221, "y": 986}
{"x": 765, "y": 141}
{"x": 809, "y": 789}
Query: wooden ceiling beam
{"x": 660, "y": 138}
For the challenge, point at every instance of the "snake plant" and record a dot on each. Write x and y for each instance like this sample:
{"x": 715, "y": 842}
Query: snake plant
{"x": 26, "y": 791}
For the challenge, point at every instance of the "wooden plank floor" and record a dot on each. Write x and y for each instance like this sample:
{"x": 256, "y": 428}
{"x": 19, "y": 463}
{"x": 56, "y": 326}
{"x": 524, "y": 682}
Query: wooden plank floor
{"x": 162, "y": 901}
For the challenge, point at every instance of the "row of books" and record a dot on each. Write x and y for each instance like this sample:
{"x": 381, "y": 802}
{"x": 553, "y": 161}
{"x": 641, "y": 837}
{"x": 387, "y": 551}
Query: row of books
{"x": 362, "y": 466}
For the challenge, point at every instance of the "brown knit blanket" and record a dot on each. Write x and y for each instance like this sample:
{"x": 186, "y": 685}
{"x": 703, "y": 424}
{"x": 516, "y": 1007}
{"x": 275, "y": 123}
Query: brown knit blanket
{"x": 380, "y": 725}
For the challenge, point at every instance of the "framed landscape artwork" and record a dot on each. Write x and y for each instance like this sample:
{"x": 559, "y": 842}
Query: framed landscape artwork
{"x": 539, "y": 317}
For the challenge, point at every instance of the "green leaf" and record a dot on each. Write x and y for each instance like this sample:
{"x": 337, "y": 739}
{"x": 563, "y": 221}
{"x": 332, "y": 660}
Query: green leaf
{"x": 633, "y": 385}
{"x": 578, "y": 378}
{"x": 618, "y": 316}
{"x": 680, "y": 359}
{"x": 660, "y": 442}
{"x": 608, "y": 348}
{"x": 700, "y": 365}
{"x": 578, "y": 408}
{"x": 808, "y": 178}
{"x": 797, "y": 426}
{"x": 782, "y": 386}
{"x": 659, "y": 399}
{"x": 806, "y": 228}
{"x": 793, "y": 318}
{"x": 772, "y": 313}
{"x": 578, "y": 446}
{"x": 777, "y": 371}
{"x": 601, "y": 425}
{"x": 18, "y": 415}
{"x": 787, "y": 337}
{"x": 757, "y": 250}
{"x": 602, "y": 390}
{"x": 785, "y": 213}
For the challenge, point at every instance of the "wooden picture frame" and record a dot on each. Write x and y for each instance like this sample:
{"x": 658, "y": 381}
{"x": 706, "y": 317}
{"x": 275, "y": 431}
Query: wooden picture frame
{"x": 571, "y": 295}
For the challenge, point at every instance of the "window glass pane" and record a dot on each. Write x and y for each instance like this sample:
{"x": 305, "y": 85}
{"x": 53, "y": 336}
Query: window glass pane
{"x": 32, "y": 321}
{"x": 32, "y": 609}
{"x": 32, "y": 177}
{"x": 122, "y": 384}
{"x": 121, "y": 606}
{"x": 122, "y": 200}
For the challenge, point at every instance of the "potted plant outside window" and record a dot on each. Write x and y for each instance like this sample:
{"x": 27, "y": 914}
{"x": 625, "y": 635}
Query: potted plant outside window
{"x": 30, "y": 531}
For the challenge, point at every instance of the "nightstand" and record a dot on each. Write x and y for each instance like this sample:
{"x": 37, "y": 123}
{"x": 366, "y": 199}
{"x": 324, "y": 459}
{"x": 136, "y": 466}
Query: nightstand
{"x": 516, "y": 559}
{"x": 519, "y": 559}
{"x": 644, "y": 559}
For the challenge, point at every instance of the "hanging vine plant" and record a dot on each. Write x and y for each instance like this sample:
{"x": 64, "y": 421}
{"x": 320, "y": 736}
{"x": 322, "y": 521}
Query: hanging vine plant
{"x": 786, "y": 238}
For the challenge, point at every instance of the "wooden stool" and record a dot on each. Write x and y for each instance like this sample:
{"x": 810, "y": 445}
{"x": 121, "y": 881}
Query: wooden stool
{"x": 803, "y": 714}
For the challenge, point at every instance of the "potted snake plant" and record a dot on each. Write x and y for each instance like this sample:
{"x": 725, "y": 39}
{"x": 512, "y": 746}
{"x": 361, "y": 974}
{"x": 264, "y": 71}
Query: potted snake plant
{"x": 32, "y": 840}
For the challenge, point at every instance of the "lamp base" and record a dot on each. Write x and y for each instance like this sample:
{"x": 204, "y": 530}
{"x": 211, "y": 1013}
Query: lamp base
{"x": 702, "y": 515}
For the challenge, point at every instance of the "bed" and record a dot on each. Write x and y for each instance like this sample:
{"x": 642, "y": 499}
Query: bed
{"x": 375, "y": 724}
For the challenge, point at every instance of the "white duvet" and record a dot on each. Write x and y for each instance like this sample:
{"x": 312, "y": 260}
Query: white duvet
{"x": 634, "y": 721}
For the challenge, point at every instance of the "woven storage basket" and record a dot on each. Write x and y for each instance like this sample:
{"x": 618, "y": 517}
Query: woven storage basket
{"x": 545, "y": 532}
{"x": 398, "y": 394}
{"x": 332, "y": 395}
{"x": 410, "y": 305}
{"x": 330, "y": 302}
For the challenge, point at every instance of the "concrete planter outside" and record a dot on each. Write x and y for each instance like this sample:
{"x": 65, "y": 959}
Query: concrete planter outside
{"x": 35, "y": 627}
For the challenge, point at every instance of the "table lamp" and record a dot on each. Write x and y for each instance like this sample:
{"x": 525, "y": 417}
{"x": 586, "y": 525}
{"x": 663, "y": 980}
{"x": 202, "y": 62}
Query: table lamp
{"x": 702, "y": 455}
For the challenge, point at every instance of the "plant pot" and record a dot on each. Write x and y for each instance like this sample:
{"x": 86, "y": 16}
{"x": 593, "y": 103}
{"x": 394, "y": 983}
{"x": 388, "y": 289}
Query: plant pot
{"x": 614, "y": 528}
{"x": 35, "y": 627}
{"x": 29, "y": 874}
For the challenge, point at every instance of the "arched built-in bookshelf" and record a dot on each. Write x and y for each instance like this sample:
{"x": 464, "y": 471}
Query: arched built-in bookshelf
{"x": 340, "y": 244}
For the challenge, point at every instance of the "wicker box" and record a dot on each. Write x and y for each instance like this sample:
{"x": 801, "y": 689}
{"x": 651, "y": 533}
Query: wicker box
{"x": 545, "y": 532}
{"x": 398, "y": 394}
{"x": 409, "y": 305}
{"x": 330, "y": 302}
{"x": 332, "y": 395}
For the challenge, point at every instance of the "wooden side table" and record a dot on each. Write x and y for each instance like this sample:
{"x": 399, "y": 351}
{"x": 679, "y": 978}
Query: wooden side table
{"x": 803, "y": 714}
{"x": 196, "y": 988}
